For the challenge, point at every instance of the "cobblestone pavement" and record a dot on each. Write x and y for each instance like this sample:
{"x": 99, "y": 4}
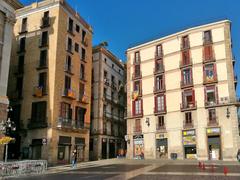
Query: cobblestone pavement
{"x": 121, "y": 169}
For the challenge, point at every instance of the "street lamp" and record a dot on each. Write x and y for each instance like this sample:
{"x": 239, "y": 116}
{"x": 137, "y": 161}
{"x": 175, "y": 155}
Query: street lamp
{"x": 6, "y": 128}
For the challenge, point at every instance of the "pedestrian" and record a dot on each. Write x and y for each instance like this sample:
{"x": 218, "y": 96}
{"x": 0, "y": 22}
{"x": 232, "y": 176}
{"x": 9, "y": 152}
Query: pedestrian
{"x": 74, "y": 158}
{"x": 238, "y": 155}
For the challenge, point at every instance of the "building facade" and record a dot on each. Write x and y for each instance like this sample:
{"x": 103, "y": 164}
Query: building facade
{"x": 50, "y": 82}
{"x": 108, "y": 126}
{"x": 7, "y": 20}
{"x": 182, "y": 96}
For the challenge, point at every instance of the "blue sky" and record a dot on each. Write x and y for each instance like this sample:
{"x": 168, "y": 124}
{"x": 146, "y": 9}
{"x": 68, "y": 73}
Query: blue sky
{"x": 123, "y": 23}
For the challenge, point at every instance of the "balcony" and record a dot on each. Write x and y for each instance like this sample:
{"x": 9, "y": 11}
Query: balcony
{"x": 65, "y": 123}
{"x": 37, "y": 123}
{"x": 159, "y": 90}
{"x": 207, "y": 41}
{"x": 18, "y": 70}
{"x": 160, "y": 128}
{"x": 159, "y": 69}
{"x": 185, "y": 63}
{"x": 45, "y": 22}
{"x": 107, "y": 115}
{"x": 159, "y": 111}
{"x": 84, "y": 99}
{"x": 213, "y": 121}
{"x": 39, "y": 91}
{"x": 188, "y": 106}
{"x": 42, "y": 64}
{"x": 69, "y": 93}
{"x": 209, "y": 80}
{"x": 114, "y": 86}
{"x": 137, "y": 76}
{"x": 106, "y": 81}
{"x": 158, "y": 55}
{"x": 137, "y": 129}
{"x": 185, "y": 46}
{"x": 211, "y": 103}
{"x": 23, "y": 29}
{"x": 68, "y": 69}
{"x": 136, "y": 94}
{"x": 188, "y": 125}
{"x": 137, "y": 114}
{"x": 186, "y": 84}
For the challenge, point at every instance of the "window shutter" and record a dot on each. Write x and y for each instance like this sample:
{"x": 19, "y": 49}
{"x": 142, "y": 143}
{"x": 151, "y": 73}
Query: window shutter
{"x": 155, "y": 104}
{"x": 216, "y": 89}
{"x": 193, "y": 96}
{"x": 141, "y": 106}
{"x": 215, "y": 71}
{"x": 163, "y": 80}
{"x": 165, "y": 106}
{"x": 183, "y": 100}
{"x": 133, "y": 108}
{"x": 205, "y": 95}
{"x": 34, "y": 108}
{"x": 204, "y": 73}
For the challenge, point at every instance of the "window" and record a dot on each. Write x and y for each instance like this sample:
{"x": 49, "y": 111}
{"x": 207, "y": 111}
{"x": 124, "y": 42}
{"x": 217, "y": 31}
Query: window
{"x": 69, "y": 45}
{"x": 160, "y": 103}
{"x": 105, "y": 74}
{"x": 159, "y": 83}
{"x": 65, "y": 111}
{"x": 67, "y": 84}
{"x": 43, "y": 58}
{"x": 208, "y": 53}
{"x": 159, "y": 51}
{"x": 137, "y": 86}
{"x": 185, "y": 42}
{"x": 83, "y": 36}
{"x": 22, "y": 44}
{"x": 159, "y": 66}
{"x": 212, "y": 115}
{"x": 188, "y": 118}
{"x": 24, "y": 25}
{"x": 70, "y": 25}
{"x": 39, "y": 111}
{"x": 185, "y": 57}
{"x": 209, "y": 71}
{"x": 187, "y": 76}
{"x": 19, "y": 86}
{"x": 45, "y": 19}
{"x": 137, "y": 57}
{"x": 77, "y": 28}
{"x": 83, "y": 57}
{"x": 82, "y": 72}
{"x": 68, "y": 65}
{"x": 207, "y": 36}
{"x": 161, "y": 121}
{"x": 210, "y": 95}
{"x": 188, "y": 98}
{"x": 105, "y": 59}
{"x": 44, "y": 39}
{"x": 76, "y": 47}
{"x": 20, "y": 64}
{"x": 137, "y": 107}
{"x": 42, "y": 81}
{"x": 81, "y": 90}
{"x": 113, "y": 66}
{"x": 80, "y": 117}
{"x": 137, "y": 70}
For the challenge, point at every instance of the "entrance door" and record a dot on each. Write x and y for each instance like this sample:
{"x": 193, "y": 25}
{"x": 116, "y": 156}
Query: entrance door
{"x": 104, "y": 149}
{"x": 214, "y": 147}
{"x": 111, "y": 149}
{"x": 63, "y": 154}
{"x": 36, "y": 152}
{"x": 162, "y": 148}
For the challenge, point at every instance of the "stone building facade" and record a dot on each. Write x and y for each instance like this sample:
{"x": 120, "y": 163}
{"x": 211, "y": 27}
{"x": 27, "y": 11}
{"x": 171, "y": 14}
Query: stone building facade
{"x": 50, "y": 82}
{"x": 182, "y": 96}
{"x": 108, "y": 125}
{"x": 7, "y": 20}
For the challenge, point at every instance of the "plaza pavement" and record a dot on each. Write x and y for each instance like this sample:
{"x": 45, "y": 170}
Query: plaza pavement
{"x": 121, "y": 169}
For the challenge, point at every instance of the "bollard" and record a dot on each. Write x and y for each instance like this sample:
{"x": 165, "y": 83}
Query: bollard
{"x": 200, "y": 165}
{"x": 203, "y": 167}
{"x": 212, "y": 168}
{"x": 225, "y": 170}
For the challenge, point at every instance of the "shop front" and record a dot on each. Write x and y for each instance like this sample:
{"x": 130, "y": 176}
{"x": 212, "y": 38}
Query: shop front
{"x": 64, "y": 150}
{"x": 138, "y": 147}
{"x": 189, "y": 144}
{"x": 214, "y": 143}
{"x": 161, "y": 146}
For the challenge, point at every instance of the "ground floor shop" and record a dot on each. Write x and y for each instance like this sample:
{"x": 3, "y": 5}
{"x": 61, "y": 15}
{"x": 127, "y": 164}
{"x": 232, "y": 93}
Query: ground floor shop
{"x": 105, "y": 147}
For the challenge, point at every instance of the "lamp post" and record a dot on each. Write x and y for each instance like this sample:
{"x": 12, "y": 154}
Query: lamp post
{"x": 6, "y": 128}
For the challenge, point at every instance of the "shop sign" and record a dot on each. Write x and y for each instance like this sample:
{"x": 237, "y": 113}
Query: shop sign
{"x": 189, "y": 133}
{"x": 213, "y": 130}
{"x": 138, "y": 137}
{"x": 161, "y": 135}
{"x": 189, "y": 140}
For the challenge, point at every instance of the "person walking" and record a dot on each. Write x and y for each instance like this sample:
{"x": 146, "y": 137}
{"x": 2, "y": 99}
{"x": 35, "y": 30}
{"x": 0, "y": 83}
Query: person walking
{"x": 74, "y": 158}
{"x": 238, "y": 155}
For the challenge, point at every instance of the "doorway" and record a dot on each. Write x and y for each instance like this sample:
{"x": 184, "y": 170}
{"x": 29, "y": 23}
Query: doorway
{"x": 214, "y": 147}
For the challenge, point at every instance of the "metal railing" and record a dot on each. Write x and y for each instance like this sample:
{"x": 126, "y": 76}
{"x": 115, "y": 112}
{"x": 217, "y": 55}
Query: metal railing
{"x": 19, "y": 168}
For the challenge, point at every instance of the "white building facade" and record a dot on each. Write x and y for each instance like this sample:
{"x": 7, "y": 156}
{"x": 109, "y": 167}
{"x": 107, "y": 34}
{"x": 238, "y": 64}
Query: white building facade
{"x": 182, "y": 96}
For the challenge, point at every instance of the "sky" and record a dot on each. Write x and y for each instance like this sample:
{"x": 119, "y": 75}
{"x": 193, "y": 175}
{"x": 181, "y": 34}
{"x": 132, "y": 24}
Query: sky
{"x": 125, "y": 23}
